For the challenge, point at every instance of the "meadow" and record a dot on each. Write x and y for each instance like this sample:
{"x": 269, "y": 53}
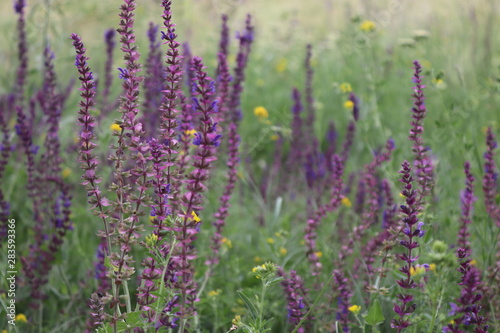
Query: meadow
{"x": 249, "y": 166}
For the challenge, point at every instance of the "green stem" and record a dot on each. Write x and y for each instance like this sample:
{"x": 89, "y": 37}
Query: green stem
{"x": 261, "y": 303}
{"x": 127, "y": 296}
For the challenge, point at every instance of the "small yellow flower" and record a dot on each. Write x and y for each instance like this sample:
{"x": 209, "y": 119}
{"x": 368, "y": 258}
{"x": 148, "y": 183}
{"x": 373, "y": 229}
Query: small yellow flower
{"x": 354, "y": 309}
{"x": 348, "y": 105}
{"x": 367, "y": 26}
{"x": 227, "y": 242}
{"x": 432, "y": 267}
{"x": 237, "y": 320}
{"x": 66, "y": 172}
{"x": 195, "y": 217}
{"x": 151, "y": 240}
{"x": 275, "y": 137}
{"x": 191, "y": 132}
{"x": 21, "y": 318}
{"x": 473, "y": 262}
{"x": 283, "y": 251}
{"x": 257, "y": 259}
{"x": 318, "y": 254}
{"x": 401, "y": 195}
{"x": 439, "y": 83}
{"x": 270, "y": 240}
{"x": 452, "y": 322}
{"x": 254, "y": 270}
{"x": 115, "y": 128}
{"x": 214, "y": 293}
{"x": 345, "y": 87}
{"x": 281, "y": 65}
{"x": 261, "y": 112}
{"x": 417, "y": 270}
{"x": 346, "y": 202}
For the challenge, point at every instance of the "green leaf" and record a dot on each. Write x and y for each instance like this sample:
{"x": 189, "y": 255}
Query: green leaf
{"x": 122, "y": 326}
{"x": 374, "y": 316}
{"x": 276, "y": 280}
{"x": 251, "y": 307}
{"x": 134, "y": 319}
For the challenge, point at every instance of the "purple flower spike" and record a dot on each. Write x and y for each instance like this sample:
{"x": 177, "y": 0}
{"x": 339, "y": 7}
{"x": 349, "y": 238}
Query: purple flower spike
{"x": 467, "y": 305}
{"x": 467, "y": 199}
{"x": 424, "y": 168}
{"x": 355, "y": 109}
{"x": 490, "y": 177}
{"x": 109, "y": 38}
{"x": 296, "y": 295}
{"x": 410, "y": 220}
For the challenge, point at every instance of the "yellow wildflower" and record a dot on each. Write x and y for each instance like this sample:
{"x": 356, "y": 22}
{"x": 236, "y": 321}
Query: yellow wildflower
{"x": 439, "y": 83}
{"x": 281, "y": 65}
{"x": 283, "y": 251}
{"x": 345, "y": 87}
{"x": 261, "y": 112}
{"x": 318, "y": 254}
{"x": 367, "y": 26}
{"x": 432, "y": 267}
{"x": 195, "y": 217}
{"x": 354, "y": 309}
{"x": 417, "y": 270}
{"x": 257, "y": 259}
{"x": 151, "y": 240}
{"x": 346, "y": 202}
{"x": 66, "y": 172}
{"x": 115, "y": 128}
{"x": 191, "y": 132}
{"x": 270, "y": 240}
{"x": 214, "y": 293}
{"x": 227, "y": 242}
{"x": 348, "y": 104}
{"x": 473, "y": 262}
{"x": 21, "y": 318}
{"x": 275, "y": 137}
{"x": 236, "y": 320}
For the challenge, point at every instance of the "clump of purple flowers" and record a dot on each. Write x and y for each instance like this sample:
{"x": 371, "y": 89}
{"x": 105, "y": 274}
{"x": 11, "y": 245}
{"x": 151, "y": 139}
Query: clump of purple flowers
{"x": 411, "y": 229}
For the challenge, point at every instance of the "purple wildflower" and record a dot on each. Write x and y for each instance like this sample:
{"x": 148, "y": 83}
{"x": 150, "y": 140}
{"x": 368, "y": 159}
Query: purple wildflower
{"x": 490, "y": 178}
{"x": 410, "y": 219}
{"x": 424, "y": 168}
{"x": 109, "y": 38}
{"x": 169, "y": 108}
{"x": 355, "y": 109}
{"x": 232, "y": 163}
{"x": 309, "y": 94}
{"x": 467, "y": 306}
{"x": 467, "y": 200}
{"x": 296, "y": 294}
